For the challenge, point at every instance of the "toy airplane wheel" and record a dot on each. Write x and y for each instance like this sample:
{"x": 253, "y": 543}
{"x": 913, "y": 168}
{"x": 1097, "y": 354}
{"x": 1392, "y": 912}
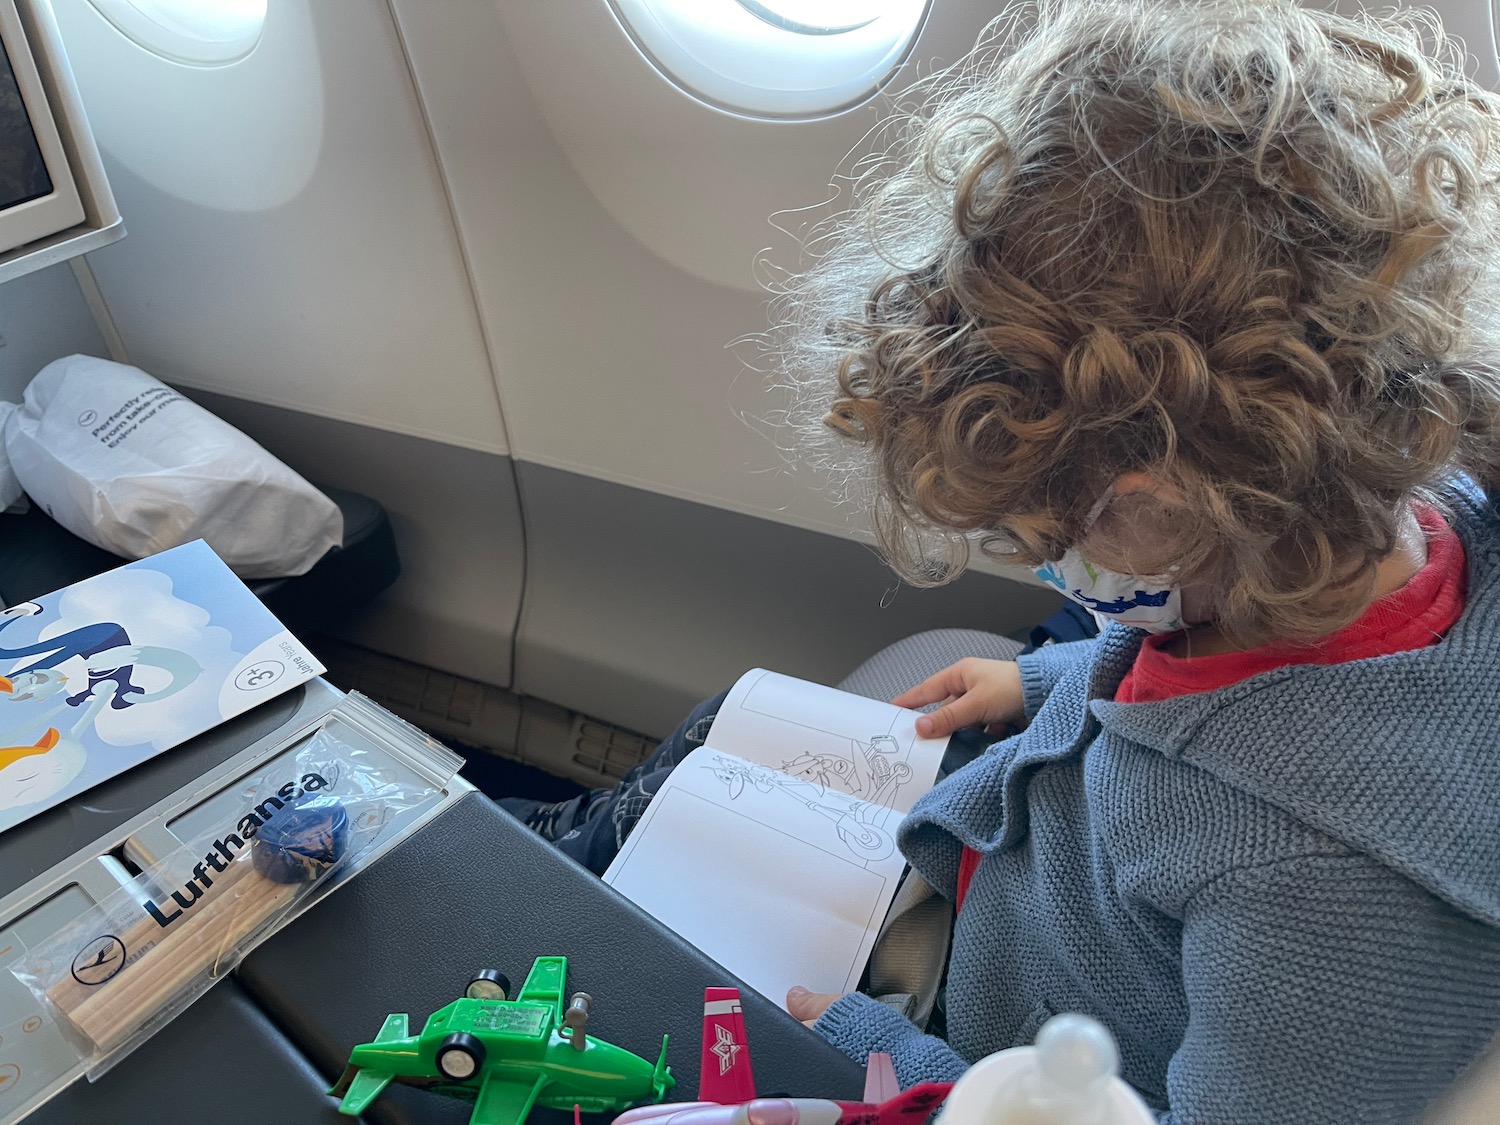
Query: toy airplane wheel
{"x": 460, "y": 1056}
{"x": 488, "y": 985}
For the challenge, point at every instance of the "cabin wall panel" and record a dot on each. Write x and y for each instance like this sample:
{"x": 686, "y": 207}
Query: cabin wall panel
{"x": 611, "y": 341}
{"x": 638, "y": 605}
{"x": 614, "y": 351}
{"x": 290, "y": 236}
{"x": 457, "y": 525}
{"x": 610, "y": 361}
{"x": 363, "y": 331}
{"x": 43, "y": 317}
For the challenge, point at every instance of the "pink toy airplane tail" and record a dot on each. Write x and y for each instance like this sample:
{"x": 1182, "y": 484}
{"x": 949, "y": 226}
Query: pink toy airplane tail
{"x": 724, "y": 1070}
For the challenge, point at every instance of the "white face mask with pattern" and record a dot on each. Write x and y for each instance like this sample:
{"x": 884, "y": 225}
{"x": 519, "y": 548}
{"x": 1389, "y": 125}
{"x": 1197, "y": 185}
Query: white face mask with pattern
{"x": 1142, "y": 603}
{"x": 1138, "y": 602}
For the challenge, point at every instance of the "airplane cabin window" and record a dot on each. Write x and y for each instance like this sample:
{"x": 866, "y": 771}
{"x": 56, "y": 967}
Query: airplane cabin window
{"x": 775, "y": 59}
{"x": 194, "y": 32}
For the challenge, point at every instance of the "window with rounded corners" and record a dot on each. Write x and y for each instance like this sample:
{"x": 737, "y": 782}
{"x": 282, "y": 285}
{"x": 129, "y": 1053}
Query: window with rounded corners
{"x": 777, "y": 59}
{"x": 194, "y": 32}
{"x": 1488, "y": 65}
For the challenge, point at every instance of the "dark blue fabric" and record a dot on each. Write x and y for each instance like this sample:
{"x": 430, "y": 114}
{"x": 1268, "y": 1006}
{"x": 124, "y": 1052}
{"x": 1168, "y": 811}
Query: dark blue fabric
{"x": 1071, "y": 622}
{"x": 592, "y": 828}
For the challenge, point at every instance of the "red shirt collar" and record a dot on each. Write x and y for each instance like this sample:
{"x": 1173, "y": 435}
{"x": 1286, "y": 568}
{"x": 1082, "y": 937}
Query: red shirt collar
{"x": 1416, "y": 615}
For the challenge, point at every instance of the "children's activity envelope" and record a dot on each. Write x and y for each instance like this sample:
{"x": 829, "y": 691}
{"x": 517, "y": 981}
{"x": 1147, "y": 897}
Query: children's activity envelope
{"x": 110, "y": 671}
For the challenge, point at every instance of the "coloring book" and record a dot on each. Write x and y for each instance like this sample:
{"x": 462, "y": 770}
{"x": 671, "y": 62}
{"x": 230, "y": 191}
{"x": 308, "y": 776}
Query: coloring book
{"x": 113, "y": 670}
{"x": 772, "y": 847}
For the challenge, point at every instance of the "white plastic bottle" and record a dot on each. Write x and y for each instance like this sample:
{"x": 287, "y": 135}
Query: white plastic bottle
{"x": 1071, "y": 1077}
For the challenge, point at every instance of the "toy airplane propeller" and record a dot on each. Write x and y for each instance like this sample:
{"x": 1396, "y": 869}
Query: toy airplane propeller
{"x": 506, "y": 1055}
{"x": 726, "y": 1086}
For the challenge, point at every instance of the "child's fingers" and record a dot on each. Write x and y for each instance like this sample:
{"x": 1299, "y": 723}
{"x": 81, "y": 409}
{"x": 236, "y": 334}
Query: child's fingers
{"x": 921, "y": 695}
{"x": 966, "y": 711}
{"x": 808, "y": 1006}
{"x": 947, "y": 683}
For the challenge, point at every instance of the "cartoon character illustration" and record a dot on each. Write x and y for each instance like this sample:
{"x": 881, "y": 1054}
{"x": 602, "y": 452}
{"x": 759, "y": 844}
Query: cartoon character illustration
{"x": 858, "y": 825}
{"x": 108, "y": 657}
{"x": 872, "y": 771}
{"x": 1139, "y": 600}
{"x": 125, "y": 665}
{"x": 103, "y": 656}
{"x": 1052, "y": 575}
{"x": 85, "y": 642}
{"x": 33, "y": 773}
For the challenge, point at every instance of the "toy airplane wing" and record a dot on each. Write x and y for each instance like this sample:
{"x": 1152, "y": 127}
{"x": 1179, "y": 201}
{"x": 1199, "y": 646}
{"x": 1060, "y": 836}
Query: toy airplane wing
{"x": 358, "y": 1087}
{"x": 724, "y": 1069}
{"x": 503, "y": 1101}
{"x": 545, "y": 983}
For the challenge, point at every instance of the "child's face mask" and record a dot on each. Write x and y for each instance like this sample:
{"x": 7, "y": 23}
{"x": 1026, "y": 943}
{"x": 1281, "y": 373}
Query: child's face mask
{"x": 1142, "y": 603}
{"x": 1138, "y": 602}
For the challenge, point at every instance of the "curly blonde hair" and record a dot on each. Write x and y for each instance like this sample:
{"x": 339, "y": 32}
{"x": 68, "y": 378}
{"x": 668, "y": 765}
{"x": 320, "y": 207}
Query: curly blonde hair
{"x": 1249, "y": 249}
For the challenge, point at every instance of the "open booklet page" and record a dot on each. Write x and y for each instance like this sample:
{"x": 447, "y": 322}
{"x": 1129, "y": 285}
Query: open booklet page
{"x": 864, "y": 747}
{"x": 757, "y": 848}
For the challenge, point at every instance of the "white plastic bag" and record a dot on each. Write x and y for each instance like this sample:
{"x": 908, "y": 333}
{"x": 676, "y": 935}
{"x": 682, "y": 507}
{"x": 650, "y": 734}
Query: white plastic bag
{"x": 122, "y": 460}
{"x": 11, "y": 492}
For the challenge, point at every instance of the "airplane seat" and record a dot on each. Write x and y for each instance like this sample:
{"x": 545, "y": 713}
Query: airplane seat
{"x": 911, "y": 660}
{"x": 1473, "y": 1100}
{"x": 38, "y": 556}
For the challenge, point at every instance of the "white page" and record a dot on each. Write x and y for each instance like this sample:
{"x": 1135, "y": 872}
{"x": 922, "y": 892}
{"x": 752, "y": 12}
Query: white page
{"x": 860, "y": 746}
{"x": 779, "y": 881}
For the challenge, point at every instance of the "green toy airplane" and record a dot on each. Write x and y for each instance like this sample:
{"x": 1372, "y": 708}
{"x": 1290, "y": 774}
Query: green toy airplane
{"x": 506, "y": 1055}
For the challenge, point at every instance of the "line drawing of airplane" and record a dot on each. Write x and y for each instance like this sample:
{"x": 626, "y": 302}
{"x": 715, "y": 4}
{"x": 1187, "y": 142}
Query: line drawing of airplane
{"x": 726, "y": 1086}
{"x": 506, "y": 1055}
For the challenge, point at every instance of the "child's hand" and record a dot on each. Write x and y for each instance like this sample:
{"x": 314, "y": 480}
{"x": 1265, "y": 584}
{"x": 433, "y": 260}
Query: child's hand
{"x": 808, "y": 1006}
{"x": 974, "y": 692}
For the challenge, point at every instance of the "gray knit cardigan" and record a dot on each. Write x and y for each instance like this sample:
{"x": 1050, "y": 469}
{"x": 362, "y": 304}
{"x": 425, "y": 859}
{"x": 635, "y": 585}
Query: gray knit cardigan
{"x": 1282, "y": 897}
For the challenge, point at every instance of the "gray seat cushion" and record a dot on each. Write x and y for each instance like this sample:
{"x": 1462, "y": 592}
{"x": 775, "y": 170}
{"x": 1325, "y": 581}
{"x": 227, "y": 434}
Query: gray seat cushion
{"x": 910, "y": 661}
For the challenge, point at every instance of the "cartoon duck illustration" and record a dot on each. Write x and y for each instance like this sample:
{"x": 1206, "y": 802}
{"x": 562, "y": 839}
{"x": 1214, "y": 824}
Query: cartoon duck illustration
{"x": 33, "y": 773}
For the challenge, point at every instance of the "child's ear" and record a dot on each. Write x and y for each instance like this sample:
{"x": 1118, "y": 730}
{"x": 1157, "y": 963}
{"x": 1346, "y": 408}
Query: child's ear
{"x": 1140, "y": 530}
{"x": 1136, "y": 482}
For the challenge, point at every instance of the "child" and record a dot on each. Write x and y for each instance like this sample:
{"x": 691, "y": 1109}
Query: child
{"x": 1188, "y": 305}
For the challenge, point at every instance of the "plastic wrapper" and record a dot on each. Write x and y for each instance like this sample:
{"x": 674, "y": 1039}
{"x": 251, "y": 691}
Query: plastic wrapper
{"x": 124, "y": 968}
{"x": 128, "y": 464}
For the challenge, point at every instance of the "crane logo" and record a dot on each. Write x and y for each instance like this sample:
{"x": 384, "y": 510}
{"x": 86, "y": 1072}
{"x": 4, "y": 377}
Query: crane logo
{"x": 99, "y": 960}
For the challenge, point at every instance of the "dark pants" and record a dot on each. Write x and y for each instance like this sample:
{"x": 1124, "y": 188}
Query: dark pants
{"x": 592, "y": 828}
